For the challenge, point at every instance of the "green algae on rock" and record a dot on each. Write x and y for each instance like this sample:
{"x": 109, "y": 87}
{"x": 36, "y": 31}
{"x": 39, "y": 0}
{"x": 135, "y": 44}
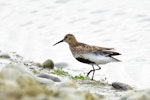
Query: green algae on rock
{"x": 60, "y": 72}
{"x": 79, "y": 77}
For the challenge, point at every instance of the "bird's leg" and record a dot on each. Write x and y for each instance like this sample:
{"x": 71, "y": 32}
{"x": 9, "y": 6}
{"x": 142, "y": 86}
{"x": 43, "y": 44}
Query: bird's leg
{"x": 93, "y": 71}
{"x": 98, "y": 67}
{"x": 90, "y": 71}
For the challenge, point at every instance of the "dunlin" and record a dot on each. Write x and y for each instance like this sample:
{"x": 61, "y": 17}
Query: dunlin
{"x": 89, "y": 54}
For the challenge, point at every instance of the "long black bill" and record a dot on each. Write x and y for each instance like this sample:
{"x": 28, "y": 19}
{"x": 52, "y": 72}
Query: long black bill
{"x": 58, "y": 42}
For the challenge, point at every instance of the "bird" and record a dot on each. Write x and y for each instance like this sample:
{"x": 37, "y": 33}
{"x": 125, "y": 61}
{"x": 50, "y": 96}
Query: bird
{"x": 89, "y": 54}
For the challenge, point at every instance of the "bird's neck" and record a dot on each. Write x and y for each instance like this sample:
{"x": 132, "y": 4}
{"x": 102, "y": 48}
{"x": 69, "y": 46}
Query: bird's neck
{"x": 73, "y": 43}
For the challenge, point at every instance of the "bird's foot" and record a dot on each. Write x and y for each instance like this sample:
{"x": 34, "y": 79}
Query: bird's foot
{"x": 92, "y": 79}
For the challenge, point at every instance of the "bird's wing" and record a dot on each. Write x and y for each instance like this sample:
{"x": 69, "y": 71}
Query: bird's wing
{"x": 106, "y": 53}
{"x": 86, "y": 49}
{"x": 102, "y": 48}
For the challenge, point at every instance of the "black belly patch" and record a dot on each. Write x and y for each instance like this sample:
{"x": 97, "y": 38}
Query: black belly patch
{"x": 87, "y": 61}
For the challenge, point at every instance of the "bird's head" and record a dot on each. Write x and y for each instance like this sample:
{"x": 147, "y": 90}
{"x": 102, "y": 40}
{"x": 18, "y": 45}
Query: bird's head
{"x": 69, "y": 38}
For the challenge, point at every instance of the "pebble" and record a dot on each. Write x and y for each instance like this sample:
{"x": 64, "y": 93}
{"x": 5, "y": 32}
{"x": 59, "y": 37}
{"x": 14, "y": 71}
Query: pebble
{"x": 49, "y": 76}
{"x": 121, "y": 86}
{"x": 6, "y": 56}
{"x": 48, "y": 64}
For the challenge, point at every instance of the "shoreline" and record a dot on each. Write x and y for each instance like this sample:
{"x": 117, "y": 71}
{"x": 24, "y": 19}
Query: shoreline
{"x": 53, "y": 80}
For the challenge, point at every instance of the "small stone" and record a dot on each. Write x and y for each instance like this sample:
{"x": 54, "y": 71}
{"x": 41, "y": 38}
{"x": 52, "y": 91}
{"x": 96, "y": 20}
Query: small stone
{"x": 48, "y": 64}
{"x": 4, "y": 56}
{"x": 121, "y": 86}
{"x": 48, "y": 76}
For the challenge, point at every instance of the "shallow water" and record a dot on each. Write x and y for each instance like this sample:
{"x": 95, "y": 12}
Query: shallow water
{"x": 31, "y": 27}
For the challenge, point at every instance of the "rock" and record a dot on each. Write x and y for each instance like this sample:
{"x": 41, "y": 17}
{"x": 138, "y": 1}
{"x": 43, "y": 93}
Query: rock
{"x": 49, "y": 76}
{"x": 44, "y": 81}
{"x": 6, "y": 56}
{"x": 121, "y": 86}
{"x": 48, "y": 64}
{"x": 16, "y": 83}
{"x": 17, "y": 70}
{"x": 137, "y": 95}
{"x": 73, "y": 94}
